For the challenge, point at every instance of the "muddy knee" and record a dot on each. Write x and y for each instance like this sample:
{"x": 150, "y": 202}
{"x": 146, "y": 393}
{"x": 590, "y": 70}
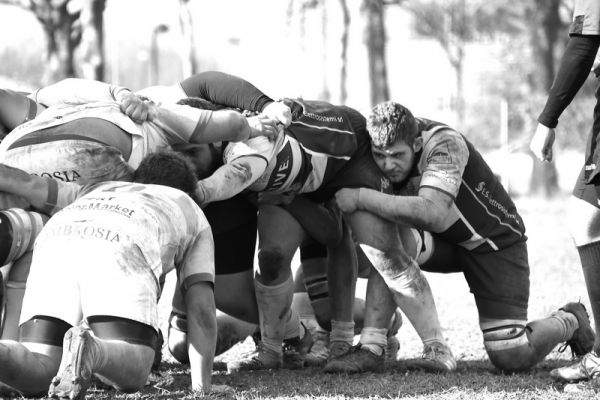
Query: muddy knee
{"x": 271, "y": 264}
{"x": 508, "y": 348}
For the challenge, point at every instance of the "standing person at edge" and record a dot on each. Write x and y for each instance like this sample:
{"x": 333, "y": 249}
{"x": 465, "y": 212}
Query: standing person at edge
{"x": 584, "y": 208}
{"x": 443, "y": 185}
{"x": 325, "y": 148}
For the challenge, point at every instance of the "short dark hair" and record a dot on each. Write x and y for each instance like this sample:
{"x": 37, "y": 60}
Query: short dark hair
{"x": 202, "y": 104}
{"x": 192, "y": 152}
{"x": 390, "y": 122}
{"x": 167, "y": 168}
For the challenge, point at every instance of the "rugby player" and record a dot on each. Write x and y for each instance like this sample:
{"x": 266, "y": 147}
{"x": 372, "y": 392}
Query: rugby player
{"x": 118, "y": 235}
{"x": 442, "y": 185}
{"x": 84, "y": 135}
{"x": 325, "y": 148}
{"x": 584, "y": 208}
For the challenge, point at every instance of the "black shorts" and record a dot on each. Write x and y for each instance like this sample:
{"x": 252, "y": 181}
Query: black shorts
{"x": 233, "y": 223}
{"x": 591, "y": 169}
{"x": 589, "y": 193}
{"x": 499, "y": 280}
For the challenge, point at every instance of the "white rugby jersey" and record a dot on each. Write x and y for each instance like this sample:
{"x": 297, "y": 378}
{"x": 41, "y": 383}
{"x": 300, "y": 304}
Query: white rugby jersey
{"x": 153, "y": 226}
{"x": 147, "y": 137}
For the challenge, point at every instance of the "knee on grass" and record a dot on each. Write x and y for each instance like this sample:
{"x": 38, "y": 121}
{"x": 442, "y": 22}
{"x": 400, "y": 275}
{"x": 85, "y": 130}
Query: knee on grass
{"x": 509, "y": 349}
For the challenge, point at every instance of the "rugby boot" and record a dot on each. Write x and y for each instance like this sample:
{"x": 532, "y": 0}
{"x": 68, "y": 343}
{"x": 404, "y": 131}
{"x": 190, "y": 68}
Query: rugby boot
{"x": 296, "y": 349}
{"x": 393, "y": 344}
{"x": 260, "y": 359}
{"x": 437, "y": 357}
{"x": 588, "y": 367}
{"x": 392, "y": 348}
{"x": 319, "y": 352}
{"x": 582, "y": 340}
{"x": 355, "y": 361}
{"x": 75, "y": 371}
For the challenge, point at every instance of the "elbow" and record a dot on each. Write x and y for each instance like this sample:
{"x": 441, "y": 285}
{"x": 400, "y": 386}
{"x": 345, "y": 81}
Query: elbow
{"x": 238, "y": 127}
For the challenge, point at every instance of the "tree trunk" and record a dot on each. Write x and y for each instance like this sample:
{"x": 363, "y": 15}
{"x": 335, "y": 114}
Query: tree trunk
{"x": 344, "y": 55}
{"x": 92, "y": 39}
{"x": 375, "y": 40}
{"x": 545, "y": 25}
{"x": 61, "y": 38}
{"x": 189, "y": 62}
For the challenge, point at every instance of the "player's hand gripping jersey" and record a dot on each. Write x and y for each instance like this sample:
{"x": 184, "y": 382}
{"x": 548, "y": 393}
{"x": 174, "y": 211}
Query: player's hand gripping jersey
{"x": 483, "y": 217}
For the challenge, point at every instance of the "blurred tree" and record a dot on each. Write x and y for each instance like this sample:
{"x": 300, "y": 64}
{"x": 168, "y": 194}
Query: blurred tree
{"x": 189, "y": 60}
{"x": 456, "y": 23}
{"x": 69, "y": 24}
{"x": 374, "y": 36}
{"x": 344, "y": 53}
{"x": 542, "y": 19}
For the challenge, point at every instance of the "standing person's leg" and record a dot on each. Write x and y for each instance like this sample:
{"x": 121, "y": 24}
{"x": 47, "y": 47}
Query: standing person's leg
{"x": 584, "y": 215}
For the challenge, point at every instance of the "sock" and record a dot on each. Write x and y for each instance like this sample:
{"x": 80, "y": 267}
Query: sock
{"x": 374, "y": 340}
{"x": 590, "y": 263}
{"x": 413, "y": 295}
{"x": 274, "y": 311}
{"x": 342, "y": 332}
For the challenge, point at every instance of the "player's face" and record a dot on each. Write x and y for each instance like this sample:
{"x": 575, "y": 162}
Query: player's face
{"x": 206, "y": 160}
{"x": 396, "y": 161}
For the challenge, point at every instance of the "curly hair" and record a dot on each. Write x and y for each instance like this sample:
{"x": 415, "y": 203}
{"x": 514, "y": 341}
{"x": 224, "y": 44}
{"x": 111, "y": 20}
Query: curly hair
{"x": 390, "y": 122}
{"x": 168, "y": 168}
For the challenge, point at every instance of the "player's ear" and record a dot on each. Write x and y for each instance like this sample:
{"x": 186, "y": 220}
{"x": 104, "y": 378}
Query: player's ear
{"x": 418, "y": 144}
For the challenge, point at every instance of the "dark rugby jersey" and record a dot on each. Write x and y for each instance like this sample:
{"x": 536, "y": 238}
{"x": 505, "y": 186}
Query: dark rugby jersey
{"x": 482, "y": 218}
{"x": 317, "y": 144}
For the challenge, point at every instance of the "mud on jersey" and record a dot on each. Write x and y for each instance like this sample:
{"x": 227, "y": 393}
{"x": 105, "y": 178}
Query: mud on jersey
{"x": 150, "y": 225}
{"x": 318, "y": 142}
{"x": 483, "y": 217}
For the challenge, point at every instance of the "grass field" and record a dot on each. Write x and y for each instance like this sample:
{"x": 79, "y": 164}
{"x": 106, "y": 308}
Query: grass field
{"x": 555, "y": 279}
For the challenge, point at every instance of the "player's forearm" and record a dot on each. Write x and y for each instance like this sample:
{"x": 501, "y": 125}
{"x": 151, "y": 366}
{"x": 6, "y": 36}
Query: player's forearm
{"x": 79, "y": 91}
{"x": 202, "y": 336}
{"x": 192, "y": 123}
{"x": 226, "y": 89}
{"x": 413, "y": 211}
{"x": 574, "y": 69}
{"x": 230, "y": 179}
{"x": 32, "y": 188}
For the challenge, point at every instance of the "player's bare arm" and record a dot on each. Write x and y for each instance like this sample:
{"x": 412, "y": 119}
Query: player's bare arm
{"x": 429, "y": 210}
{"x": 230, "y": 179}
{"x": 18, "y": 182}
{"x": 202, "y": 334}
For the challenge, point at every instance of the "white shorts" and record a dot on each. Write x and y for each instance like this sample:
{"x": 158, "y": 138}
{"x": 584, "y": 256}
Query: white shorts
{"x": 82, "y": 161}
{"x": 78, "y": 278}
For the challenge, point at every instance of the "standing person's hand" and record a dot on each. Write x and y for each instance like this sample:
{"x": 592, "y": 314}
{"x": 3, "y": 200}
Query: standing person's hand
{"x": 542, "y": 142}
